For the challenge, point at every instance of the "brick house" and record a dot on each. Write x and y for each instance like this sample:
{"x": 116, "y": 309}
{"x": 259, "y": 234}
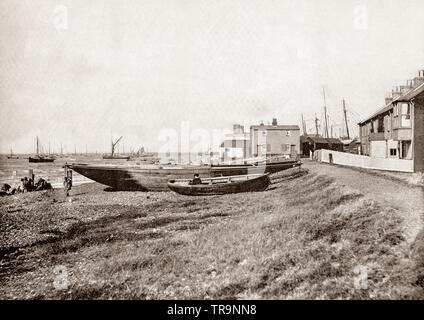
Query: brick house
{"x": 275, "y": 140}
{"x": 397, "y": 130}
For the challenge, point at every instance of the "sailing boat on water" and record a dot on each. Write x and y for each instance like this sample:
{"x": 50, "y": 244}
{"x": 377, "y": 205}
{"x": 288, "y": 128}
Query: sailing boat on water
{"x": 40, "y": 158}
{"x": 11, "y": 156}
{"x": 113, "y": 156}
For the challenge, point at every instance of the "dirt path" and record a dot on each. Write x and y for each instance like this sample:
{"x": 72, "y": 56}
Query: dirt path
{"x": 407, "y": 199}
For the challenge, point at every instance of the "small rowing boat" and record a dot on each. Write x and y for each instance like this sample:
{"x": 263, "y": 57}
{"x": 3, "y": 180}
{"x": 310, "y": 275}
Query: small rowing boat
{"x": 221, "y": 185}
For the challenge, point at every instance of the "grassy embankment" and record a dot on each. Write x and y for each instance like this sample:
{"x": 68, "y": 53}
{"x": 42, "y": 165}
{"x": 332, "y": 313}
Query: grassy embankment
{"x": 301, "y": 239}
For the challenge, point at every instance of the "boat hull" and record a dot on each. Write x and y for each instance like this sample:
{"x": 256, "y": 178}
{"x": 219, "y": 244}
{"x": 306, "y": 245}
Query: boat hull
{"x": 116, "y": 157}
{"x": 137, "y": 179}
{"x": 39, "y": 160}
{"x": 156, "y": 179}
{"x": 259, "y": 183}
{"x": 234, "y": 170}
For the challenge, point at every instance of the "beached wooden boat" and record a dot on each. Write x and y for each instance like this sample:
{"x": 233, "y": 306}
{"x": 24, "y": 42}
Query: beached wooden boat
{"x": 155, "y": 178}
{"x": 221, "y": 185}
{"x": 256, "y": 168}
{"x": 147, "y": 178}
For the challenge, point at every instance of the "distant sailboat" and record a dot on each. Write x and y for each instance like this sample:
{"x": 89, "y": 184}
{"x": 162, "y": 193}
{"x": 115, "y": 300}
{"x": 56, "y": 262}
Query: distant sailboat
{"x": 112, "y": 156}
{"x": 11, "y": 156}
{"x": 40, "y": 158}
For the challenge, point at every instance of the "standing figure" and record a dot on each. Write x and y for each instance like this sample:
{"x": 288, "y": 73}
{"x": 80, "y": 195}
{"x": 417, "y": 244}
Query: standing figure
{"x": 67, "y": 181}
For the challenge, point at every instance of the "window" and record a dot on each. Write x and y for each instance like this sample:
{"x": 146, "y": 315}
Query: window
{"x": 268, "y": 147}
{"x": 380, "y": 125}
{"x": 393, "y": 152}
{"x": 234, "y": 143}
{"x": 405, "y": 115}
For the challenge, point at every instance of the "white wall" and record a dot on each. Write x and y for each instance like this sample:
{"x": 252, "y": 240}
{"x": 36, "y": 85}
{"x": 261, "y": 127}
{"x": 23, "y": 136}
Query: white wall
{"x": 354, "y": 160}
{"x": 378, "y": 149}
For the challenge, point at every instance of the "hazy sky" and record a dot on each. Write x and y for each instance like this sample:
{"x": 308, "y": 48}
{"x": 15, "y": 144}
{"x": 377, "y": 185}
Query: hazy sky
{"x": 73, "y": 71}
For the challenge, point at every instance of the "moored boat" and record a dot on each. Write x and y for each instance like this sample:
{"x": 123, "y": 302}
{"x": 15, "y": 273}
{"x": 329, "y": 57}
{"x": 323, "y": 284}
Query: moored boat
{"x": 112, "y": 155}
{"x": 155, "y": 178}
{"x": 12, "y": 156}
{"x": 115, "y": 157}
{"x": 40, "y": 158}
{"x": 221, "y": 185}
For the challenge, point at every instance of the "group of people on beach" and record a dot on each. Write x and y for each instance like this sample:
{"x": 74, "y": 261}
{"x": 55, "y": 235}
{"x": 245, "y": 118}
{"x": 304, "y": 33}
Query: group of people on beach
{"x": 27, "y": 185}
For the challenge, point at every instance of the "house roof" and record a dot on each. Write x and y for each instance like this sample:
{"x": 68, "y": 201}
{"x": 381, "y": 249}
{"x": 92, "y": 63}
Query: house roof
{"x": 334, "y": 140}
{"x": 405, "y": 97}
{"x": 319, "y": 139}
{"x": 411, "y": 94}
{"x": 278, "y": 127}
{"x": 348, "y": 141}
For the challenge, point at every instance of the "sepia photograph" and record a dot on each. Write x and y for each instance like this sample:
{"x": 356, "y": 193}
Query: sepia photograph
{"x": 211, "y": 154}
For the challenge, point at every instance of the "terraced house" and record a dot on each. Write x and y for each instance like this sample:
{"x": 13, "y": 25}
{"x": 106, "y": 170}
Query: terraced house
{"x": 397, "y": 130}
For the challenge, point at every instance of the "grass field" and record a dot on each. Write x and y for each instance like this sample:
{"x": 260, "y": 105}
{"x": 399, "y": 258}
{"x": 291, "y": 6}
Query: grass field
{"x": 304, "y": 238}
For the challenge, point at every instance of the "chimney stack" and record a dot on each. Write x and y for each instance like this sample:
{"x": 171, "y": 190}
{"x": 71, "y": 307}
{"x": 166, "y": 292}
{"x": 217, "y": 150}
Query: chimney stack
{"x": 404, "y": 89}
{"x": 274, "y": 121}
{"x": 388, "y": 98}
{"x": 238, "y": 128}
{"x": 396, "y": 93}
{"x": 417, "y": 81}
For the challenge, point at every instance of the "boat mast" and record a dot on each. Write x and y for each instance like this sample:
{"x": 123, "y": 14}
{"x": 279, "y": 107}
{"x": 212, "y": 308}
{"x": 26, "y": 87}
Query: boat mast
{"x": 316, "y": 124}
{"x": 345, "y": 118}
{"x": 304, "y": 126}
{"x": 114, "y": 145}
{"x": 325, "y": 114}
{"x": 37, "y": 146}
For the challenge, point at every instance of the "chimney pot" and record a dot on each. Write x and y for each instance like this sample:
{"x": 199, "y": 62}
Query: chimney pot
{"x": 274, "y": 121}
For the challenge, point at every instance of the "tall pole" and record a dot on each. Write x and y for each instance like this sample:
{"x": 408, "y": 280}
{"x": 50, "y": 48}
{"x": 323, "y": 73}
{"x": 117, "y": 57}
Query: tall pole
{"x": 304, "y": 126}
{"x": 37, "y": 146}
{"x": 325, "y": 114}
{"x": 316, "y": 124}
{"x": 345, "y": 118}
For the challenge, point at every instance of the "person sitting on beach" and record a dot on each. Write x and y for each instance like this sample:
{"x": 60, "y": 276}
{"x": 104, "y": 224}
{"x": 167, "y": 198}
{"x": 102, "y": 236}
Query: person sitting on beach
{"x": 24, "y": 184}
{"x": 30, "y": 185}
{"x": 196, "y": 179}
